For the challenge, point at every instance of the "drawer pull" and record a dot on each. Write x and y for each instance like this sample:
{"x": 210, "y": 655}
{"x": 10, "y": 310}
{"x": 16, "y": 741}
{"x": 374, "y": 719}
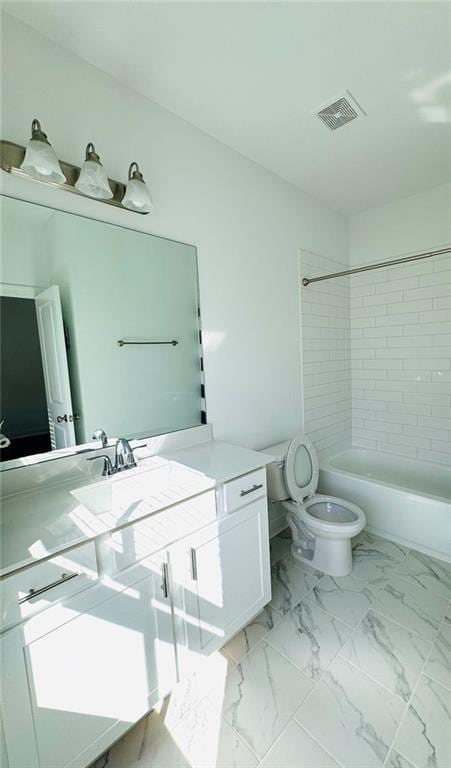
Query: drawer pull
{"x": 164, "y": 579}
{"x": 32, "y": 593}
{"x": 193, "y": 564}
{"x": 251, "y": 490}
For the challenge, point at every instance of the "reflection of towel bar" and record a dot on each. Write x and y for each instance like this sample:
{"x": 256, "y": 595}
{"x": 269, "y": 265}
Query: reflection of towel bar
{"x": 122, "y": 343}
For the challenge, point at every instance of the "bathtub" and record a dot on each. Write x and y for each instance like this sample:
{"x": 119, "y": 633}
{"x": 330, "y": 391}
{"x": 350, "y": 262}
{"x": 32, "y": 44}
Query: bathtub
{"x": 405, "y": 500}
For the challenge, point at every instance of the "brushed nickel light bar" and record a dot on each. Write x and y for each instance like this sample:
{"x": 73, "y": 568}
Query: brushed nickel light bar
{"x": 424, "y": 255}
{"x": 11, "y": 158}
{"x": 39, "y": 162}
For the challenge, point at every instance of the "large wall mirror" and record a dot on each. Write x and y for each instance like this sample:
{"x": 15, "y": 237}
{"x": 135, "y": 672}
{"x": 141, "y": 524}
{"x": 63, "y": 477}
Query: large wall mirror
{"x": 99, "y": 329}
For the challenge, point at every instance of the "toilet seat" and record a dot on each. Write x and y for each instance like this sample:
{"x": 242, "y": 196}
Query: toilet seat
{"x": 301, "y": 468}
{"x": 327, "y": 516}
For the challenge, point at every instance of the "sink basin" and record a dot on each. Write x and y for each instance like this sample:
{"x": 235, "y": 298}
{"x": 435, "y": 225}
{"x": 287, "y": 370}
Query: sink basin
{"x": 154, "y": 488}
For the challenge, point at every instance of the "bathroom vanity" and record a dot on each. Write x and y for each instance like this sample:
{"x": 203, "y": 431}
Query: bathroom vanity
{"x": 113, "y": 589}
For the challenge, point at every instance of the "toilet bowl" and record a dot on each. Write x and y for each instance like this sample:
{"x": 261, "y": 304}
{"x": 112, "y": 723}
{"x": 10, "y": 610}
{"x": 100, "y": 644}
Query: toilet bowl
{"x": 322, "y": 526}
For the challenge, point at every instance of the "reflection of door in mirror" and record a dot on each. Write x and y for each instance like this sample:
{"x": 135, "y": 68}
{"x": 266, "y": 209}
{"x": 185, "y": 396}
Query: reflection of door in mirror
{"x": 34, "y": 385}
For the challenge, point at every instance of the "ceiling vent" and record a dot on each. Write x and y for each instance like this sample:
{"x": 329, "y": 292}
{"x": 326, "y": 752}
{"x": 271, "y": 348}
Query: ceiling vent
{"x": 341, "y": 111}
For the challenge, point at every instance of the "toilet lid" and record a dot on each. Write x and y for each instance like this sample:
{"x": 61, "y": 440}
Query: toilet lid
{"x": 301, "y": 468}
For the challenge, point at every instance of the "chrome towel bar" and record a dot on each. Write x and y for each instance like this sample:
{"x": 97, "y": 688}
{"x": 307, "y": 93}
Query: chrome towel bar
{"x": 123, "y": 343}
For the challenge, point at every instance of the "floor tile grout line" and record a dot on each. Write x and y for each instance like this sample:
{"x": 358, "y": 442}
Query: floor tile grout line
{"x": 293, "y": 720}
{"x": 260, "y": 642}
{"x": 319, "y": 607}
{"x": 411, "y": 580}
{"x": 314, "y": 738}
{"x": 434, "y": 680}
{"x": 414, "y": 689}
{"x": 420, "y": 676}
{"x": 298, "y": 669}
{"x": 377, "y": 682}
{"x": 380, "y": 612}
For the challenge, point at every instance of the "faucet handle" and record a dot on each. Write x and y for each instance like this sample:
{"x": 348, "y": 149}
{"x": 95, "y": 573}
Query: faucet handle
{"x": 108, "y": 468}
{"x": 125, "y": 458}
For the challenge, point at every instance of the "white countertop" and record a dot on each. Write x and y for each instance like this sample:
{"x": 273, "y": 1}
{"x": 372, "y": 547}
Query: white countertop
{"x": 220, "y": 461}
{"x": 36, "y": 524}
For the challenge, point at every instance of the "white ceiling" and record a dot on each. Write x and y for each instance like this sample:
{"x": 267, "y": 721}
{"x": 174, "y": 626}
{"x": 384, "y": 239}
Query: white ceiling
{"x": 250, "y": 74}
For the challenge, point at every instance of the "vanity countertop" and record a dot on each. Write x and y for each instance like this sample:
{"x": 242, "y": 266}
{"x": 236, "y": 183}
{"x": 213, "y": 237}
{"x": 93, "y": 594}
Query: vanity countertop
{"x": 36, "y": 524}
{"x": 220, "y": 461}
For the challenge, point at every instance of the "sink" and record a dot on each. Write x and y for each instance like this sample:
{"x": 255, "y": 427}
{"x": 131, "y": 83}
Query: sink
{"x": 154, "y": 488}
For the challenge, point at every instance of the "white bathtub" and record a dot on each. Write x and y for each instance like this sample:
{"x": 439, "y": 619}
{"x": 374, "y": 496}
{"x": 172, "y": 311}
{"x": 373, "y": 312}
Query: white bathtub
{"x": 405, "y": 500}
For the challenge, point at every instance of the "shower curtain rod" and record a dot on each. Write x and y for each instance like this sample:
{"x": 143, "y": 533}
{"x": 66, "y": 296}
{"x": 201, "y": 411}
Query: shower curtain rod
{"x": 425, "y": 255}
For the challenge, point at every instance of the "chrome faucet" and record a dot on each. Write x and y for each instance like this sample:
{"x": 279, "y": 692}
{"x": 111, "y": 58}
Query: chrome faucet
{"x": 123, "y": 458}
{"x": 99, "y": 434}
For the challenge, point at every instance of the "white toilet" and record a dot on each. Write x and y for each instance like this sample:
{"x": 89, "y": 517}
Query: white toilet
{"x": 322, "y": 526}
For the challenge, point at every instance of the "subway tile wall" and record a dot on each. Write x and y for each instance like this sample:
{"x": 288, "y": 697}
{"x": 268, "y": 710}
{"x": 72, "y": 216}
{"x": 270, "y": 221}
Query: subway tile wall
{"x": 400, "y": 357}
{"x": 326, "y": 356}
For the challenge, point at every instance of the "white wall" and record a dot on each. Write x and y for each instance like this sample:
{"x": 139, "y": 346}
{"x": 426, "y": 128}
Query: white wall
{"x": 248, "y": 224}
{"x": 401, "y": 329}
{"x": 406, "y": 226}
{"x": 326, "y": 355}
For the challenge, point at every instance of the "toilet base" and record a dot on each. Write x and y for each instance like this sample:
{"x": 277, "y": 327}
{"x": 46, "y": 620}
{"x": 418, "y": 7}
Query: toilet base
{"x": 331, "y": 556}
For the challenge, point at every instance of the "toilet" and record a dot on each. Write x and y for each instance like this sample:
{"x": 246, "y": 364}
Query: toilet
{"x": 322, "y": 526}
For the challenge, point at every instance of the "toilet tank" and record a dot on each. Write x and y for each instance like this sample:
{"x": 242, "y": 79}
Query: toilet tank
{"x": 277, "y": 490}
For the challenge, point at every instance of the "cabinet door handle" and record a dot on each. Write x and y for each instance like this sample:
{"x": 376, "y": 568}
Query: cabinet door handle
{"x": 36, "y": 592}
{"x": 251, "y": 490}
{"x": 193, "y": 564}
{"x": 164, "y": 579}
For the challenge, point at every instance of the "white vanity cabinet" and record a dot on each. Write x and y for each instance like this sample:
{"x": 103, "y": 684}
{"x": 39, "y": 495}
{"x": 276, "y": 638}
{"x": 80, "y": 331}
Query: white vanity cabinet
{"x": 94, "y": 636}
{"x": 221, "y": 574}
{"x": 102, "y": 667}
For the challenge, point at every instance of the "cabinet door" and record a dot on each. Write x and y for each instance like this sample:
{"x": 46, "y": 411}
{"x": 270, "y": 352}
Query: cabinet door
{"x": 96, "y": 675}
{"x": 223, "y": 577}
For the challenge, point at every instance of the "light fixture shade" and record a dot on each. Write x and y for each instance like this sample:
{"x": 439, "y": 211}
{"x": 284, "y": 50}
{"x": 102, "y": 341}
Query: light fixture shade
{"x": 93, "y": 180}
{"x": 137, "y": 197}
{"x": 40, "y": 161}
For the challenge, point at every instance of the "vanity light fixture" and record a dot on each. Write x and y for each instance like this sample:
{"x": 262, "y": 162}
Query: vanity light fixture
{"x": 137, "y": 197}
{"x": 93, "y": 180}
{"x": 40, "y": 161}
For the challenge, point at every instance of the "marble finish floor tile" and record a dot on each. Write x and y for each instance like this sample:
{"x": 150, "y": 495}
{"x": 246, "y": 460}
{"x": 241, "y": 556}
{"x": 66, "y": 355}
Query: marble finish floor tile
{"x": 149, "y": 743}
{"x": 354, "y": 718}
{"x": 290, "y": 583}
{"x": 309, "y": 637}
{"x": 190, "y": 691}
{"x": 427, "y": 572}
{"x": 425, "y": 734}
{"x": 439, "y": 664}
{"x": 395, "y": 760}
{"x": 255, "y": 631}
{"x": 296, "y": 749}
{"x": 411, "y": 606}
{"x": 346, "y": 597}
{"x": 389, "y": 654}
{"x": 261, "y": 695}
{"x": 203, "y": 739}
{"x": 375, "y": 560}
{"x": 390, "y": 548}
